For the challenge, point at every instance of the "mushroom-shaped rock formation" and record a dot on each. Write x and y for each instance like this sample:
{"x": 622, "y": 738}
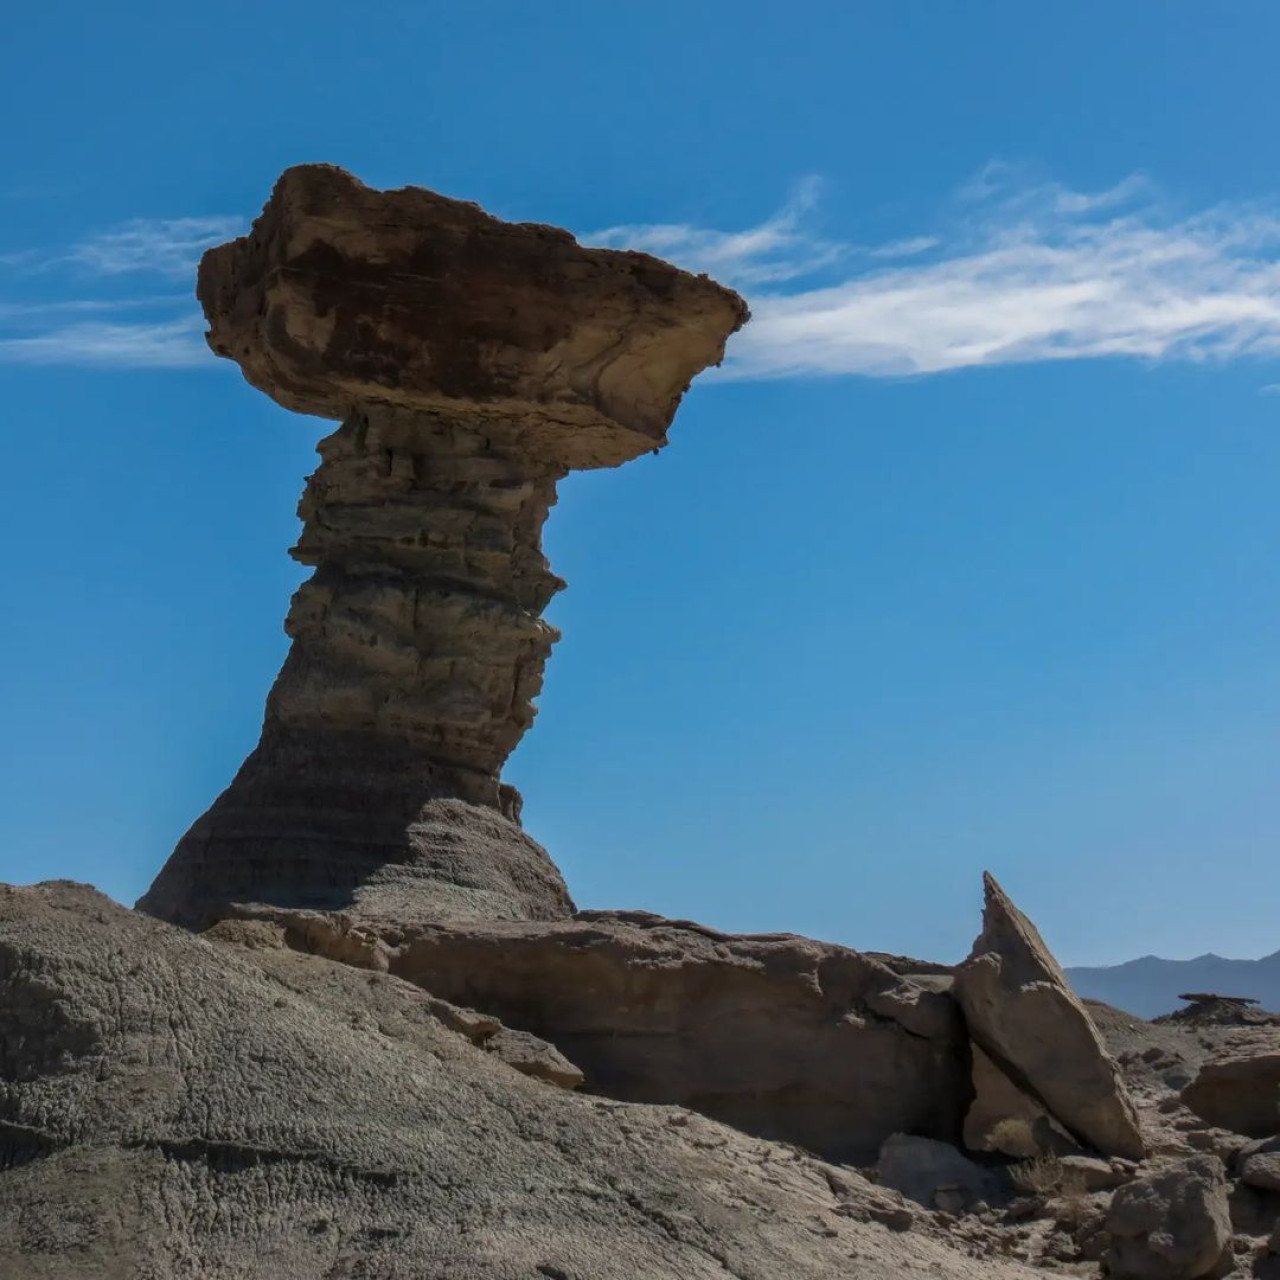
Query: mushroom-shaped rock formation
{"x": 472, "y": 363}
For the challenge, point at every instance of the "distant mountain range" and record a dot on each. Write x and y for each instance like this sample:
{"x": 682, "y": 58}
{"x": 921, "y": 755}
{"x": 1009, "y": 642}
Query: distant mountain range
{"x": 1151, "y": 986}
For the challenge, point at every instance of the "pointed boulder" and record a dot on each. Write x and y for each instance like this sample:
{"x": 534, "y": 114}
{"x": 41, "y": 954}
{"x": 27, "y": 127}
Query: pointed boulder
{"x": 1024, "y": 1016}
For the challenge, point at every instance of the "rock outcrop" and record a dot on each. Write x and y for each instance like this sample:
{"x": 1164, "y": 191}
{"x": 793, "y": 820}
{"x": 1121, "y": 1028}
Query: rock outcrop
{"x": 780, "y": 1036}
{"x": 1239, "y": 1092}
{"x": 472, "y": 364}
{"x": 172, "y": 1107}
{"x": 1023, "y": 1015}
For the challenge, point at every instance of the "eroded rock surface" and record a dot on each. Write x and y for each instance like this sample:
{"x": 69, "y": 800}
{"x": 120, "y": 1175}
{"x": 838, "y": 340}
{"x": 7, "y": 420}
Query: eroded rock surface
{"x": 778, "y": 1035}
{"x": 172, "y": 1106}
{"x": 1171, "y": 1225}
{"x": 472, "y": 364}
{"x": 1240, "y": 1092}
{"x": 1022, "y": 1013}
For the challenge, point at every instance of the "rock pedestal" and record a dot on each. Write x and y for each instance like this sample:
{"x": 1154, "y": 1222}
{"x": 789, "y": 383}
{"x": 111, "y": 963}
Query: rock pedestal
{"x": 472, "y": 364}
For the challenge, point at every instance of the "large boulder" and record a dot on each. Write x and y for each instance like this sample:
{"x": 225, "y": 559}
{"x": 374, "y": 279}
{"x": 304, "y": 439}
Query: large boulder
{"x": 778, "y": 1035}
{"x": 1171, "y": 1225}
{"x": 1022, "y": 1013}
{"x": 175, "y": 1107}
{"x": 1240, "y": 1093}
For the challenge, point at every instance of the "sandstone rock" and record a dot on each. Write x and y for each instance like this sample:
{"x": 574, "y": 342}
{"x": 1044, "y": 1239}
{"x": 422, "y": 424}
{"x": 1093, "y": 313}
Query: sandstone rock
{"x": 780, "y": 1036}
{"x": 1170, "y": 1225}
{"x": 1238, "y": 1093}
{"x": 1023, "y": 1015}
{"x": 1004, "y": 1119}
{"x": 472, "y": 364}
{"x": 173, "y": 1107}
{"x": 1259, "y": 1165}
{"x": 534, "y": 1057}
{"x": 932, "y": 1173}
{"x": 1092, "y": 1174}
{"x": 342, "y": 296}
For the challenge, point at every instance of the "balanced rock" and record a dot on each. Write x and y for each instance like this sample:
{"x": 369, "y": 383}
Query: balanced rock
{"x": 1024, "y": 1016}
{"x": 472, "y": 363}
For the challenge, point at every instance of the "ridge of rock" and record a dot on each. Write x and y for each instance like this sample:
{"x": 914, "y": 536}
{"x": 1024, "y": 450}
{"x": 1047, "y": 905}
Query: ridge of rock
{"x": 781, "y": 1036}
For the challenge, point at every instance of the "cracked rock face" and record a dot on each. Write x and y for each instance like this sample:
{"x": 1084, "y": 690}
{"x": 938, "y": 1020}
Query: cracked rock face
{"x": 472, "y": 364}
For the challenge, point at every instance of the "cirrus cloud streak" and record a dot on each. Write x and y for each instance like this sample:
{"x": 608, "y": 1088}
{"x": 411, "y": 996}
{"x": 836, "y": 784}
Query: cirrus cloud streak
{"x": 1019, "y": 274}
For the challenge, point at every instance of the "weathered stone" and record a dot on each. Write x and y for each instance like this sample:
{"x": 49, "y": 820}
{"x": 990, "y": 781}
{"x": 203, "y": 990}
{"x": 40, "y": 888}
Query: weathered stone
{"x": 932, "y": 1173}
{"x": 1004, "y": 1119}
{"x": 1259, "y": 1165}
{"x": 1238, "y": 1093}
{"x": 342, "y": 296}
{"x": 1170, "y": 1225}
{"x": 1092, "y": 1174}
{"x": 172, "y": 1107}
{"x": 778, "y": 1035}
{"x": 472, "y": 363}
{"x": 1022, "y": 1013}
{"x": 532, "y": 1056}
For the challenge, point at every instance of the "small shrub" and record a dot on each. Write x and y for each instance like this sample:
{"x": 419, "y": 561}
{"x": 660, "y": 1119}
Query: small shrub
{"x": 1013, "y": 1137}
{"x": 1047, "y": 1176}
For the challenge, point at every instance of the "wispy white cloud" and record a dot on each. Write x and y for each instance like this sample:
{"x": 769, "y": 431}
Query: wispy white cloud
{"x": 908, "y": 248}
{"x": 159, "y": 246}
{"x": 18, "y": 313}
{"x": 777, "y": 250}
{"x": 125, "y": 330}
{"x": 1020, "y": 272}
{"x": 171, "y": 344}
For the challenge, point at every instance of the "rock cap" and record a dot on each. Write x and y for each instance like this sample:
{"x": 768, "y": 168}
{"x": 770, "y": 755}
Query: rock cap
{"x": 341, "y": 295}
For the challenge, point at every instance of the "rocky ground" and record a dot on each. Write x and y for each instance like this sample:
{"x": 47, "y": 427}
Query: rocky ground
{"x": 172, "y": 1106}
{"x": 228, "y": 1105}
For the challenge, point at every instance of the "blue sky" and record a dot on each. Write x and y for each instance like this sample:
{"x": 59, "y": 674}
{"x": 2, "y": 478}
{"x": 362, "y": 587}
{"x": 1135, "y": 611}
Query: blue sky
{"x": 966, "y": 559}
